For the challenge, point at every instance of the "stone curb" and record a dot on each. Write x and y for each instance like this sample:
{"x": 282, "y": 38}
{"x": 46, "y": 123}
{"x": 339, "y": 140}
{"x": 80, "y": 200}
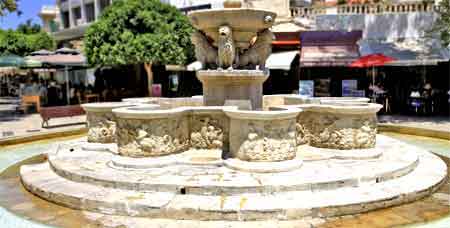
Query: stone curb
{"x": 42, "y": 136}
{"x": 409, "y": 130}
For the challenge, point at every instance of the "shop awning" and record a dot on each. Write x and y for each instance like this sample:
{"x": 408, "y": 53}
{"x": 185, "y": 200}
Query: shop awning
{"x": 329, "y": 48}
{"x": 323, "y": 56}
{"x": 281, "y": 60}
{"x": 408, "y": 52}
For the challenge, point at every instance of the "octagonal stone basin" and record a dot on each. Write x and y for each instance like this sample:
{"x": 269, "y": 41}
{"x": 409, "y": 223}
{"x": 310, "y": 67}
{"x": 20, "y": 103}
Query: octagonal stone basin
{"x": 264, "y": 136}
{"x": 101, "y": 121}
{"x": 149, "y": 131}
{"x": 297, "y": 99}
{"x": 141, "y": 100}
{"x": 338, "y": 125}
{"x": 145, "y": 107}
{"x": 244, "y": 22}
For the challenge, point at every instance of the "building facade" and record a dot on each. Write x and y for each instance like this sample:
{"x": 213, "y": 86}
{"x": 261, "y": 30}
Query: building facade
{"x": 49, "y": 15}
{"x": 75, "y": 17}
{"x": 400, "y": 29}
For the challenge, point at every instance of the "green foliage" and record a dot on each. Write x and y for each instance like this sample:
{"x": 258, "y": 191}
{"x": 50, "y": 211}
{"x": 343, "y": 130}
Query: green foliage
{"x": 28, "y": 27}
{"x": 18, "y": 43}
{"x": 442, "y": 24}
{"x": 139, "y": 31}
{"x": 8, "y": 6}
{"x": 39, "y": 41}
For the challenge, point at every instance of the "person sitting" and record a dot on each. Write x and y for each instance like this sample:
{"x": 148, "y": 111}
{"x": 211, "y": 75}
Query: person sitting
{"x": 52, "y": 94}
{"x": 43, "y": 94}
{"x": 427, "y": 91}
{"x": 427, "y": 94}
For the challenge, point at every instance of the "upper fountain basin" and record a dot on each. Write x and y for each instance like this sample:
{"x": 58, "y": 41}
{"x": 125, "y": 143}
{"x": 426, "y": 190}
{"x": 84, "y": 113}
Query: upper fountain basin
{"x": 244, "y": 22}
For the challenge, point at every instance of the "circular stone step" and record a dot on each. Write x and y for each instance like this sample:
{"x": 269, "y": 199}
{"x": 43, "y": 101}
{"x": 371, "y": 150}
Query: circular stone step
{"x": 191, "y": 157}
{"x": 354, "y": 154}
{"x": 431, "y": 171}
{"x": 103, "y": 147}
{"x": 214, "y": 178}
{"x": 263, "y": 167}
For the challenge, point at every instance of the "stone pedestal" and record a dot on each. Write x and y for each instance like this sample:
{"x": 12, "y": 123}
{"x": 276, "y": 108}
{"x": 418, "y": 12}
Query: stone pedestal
{"x": 101, "y": 121}
{"x": 222, "y": 85}
{"x": 262, "y": 136}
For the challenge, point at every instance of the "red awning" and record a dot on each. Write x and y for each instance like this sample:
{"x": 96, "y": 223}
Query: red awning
{"x": 317, "y": 56}
{"x": 286, "y": 42}
{"x": 286, "y": 39}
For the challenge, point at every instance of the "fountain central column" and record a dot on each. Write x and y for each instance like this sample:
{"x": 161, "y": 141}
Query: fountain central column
{"x": 232, "y": 45}
{"x": 222, "y": 85}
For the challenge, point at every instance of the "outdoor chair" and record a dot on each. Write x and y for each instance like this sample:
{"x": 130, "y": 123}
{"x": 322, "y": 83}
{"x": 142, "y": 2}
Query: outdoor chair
{"x": 28, "y": 101}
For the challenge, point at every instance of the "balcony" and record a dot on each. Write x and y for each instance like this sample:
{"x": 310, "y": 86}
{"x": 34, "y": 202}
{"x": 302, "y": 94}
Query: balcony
{"x": 411, "y": 7}
{"x": 64, "y": 5}
{"x": 71, "y": 33}
{"x": 75, "y": 3}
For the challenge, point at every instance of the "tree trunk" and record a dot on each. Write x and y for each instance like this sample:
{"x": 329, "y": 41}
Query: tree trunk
{"x": 148, "y": 69}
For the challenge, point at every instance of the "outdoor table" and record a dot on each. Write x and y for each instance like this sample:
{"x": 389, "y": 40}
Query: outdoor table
{"x": 418, "y": 103}
{"x": 89, "y": 97}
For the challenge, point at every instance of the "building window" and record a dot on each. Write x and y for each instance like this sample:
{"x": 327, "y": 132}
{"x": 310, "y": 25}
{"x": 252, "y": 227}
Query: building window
{"x": 76, "y": 13}
{"x": 104, "y": 4}
{"x": 65, "y": 19}
{"x": 90, "y": 12}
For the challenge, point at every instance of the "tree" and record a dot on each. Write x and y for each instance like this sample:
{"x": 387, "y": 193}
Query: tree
{"x": 442, "y": 24}
{"x": 19, "y": 43}
{"x": 8, "y": 6}
{"x": 28, "y": 27}
{"x": 139, "y": 32}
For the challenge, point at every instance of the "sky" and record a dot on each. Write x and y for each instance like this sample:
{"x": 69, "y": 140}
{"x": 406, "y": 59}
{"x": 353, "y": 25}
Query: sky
{"x": 30, "y": 10}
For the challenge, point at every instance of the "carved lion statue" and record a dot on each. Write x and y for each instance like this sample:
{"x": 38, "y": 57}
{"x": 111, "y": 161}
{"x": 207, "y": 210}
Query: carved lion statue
{"x": 257, "y": 54}
{"x": 204, "y": 51}
{"x": 226, "y": 48}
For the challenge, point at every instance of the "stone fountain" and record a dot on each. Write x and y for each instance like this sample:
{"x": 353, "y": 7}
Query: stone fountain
{"x": 227, "y": 42}
{"x": 278, "y": 157}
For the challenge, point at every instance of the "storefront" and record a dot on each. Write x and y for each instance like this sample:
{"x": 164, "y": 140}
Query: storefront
{"x": 324, "y": 60}
{"x": 283, "y": 64}
{"x": 418, "y": 81}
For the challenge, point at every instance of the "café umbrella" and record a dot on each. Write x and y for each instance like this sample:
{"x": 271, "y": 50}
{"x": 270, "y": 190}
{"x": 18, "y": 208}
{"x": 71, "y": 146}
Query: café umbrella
{"x": 65, "y": 58}
{"x": 18, "y": 62}
{"x": 31, "y": 63}
{"x": 11, "y": 61}
{"x": 372, "y": 60}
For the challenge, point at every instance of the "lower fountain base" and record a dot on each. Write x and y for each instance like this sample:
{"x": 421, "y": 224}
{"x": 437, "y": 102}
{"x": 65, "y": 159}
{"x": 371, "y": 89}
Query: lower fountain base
{"x": 203, "y": 188}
